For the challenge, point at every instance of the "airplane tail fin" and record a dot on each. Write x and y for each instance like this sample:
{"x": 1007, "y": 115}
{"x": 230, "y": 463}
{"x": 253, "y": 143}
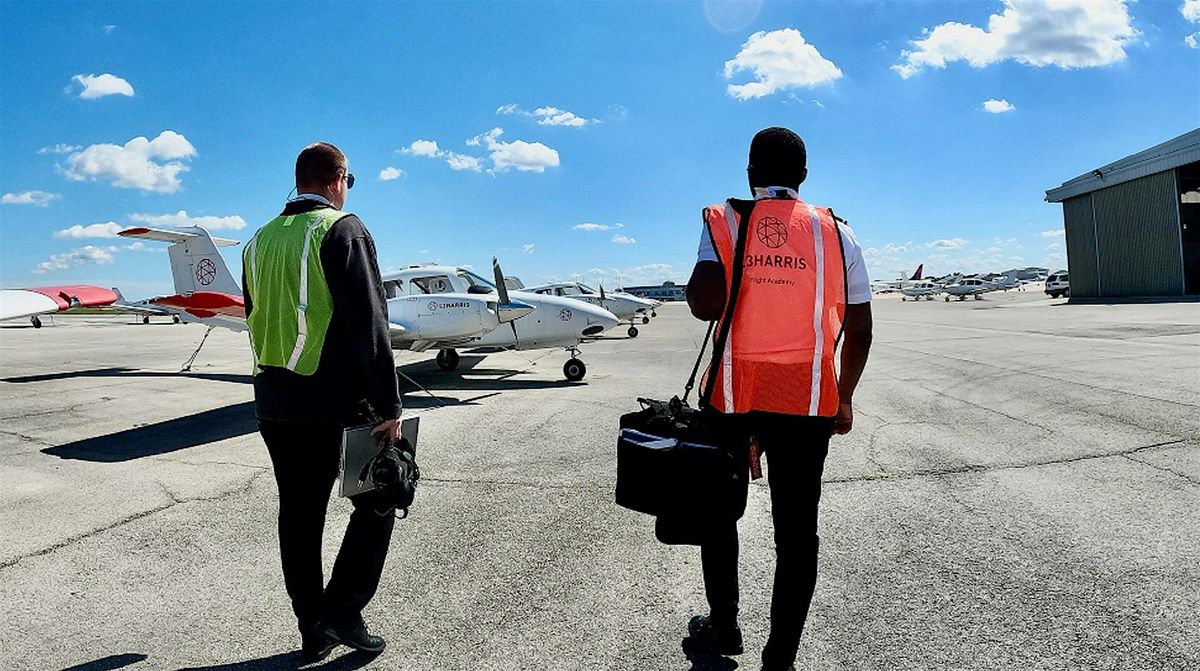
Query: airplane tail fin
{"x": 196, "y": 265}
{"x": 917, "y": 275}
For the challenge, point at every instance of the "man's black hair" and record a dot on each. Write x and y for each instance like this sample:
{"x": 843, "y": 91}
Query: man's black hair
{"x": 318, "y": 165}
{"x": 777, "y": 158}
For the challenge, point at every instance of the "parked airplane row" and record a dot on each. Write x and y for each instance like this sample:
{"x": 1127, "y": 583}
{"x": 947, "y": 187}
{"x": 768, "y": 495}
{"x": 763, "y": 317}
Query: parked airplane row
{"x": 955, "y": 285}
{"x": 429, "y": 306}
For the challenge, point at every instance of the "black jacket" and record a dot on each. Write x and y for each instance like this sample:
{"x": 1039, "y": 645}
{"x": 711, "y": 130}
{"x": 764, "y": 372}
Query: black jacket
{"x": 355, "y": 381}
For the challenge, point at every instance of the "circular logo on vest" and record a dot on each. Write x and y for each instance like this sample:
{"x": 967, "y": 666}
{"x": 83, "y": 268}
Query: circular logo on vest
{"x": 565, "y": 315}
{"x": 432, "y": 306}
{"x": 206, "y": 272}
{"x": 771, "y": 232}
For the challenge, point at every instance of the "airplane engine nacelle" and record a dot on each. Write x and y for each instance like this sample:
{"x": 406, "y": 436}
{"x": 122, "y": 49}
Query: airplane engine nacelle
{"x": 442, "y": 316}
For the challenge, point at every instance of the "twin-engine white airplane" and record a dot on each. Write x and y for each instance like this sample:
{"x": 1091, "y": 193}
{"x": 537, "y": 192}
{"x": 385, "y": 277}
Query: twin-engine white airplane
{"x": 625, "y": 306}
{"x": 554, "y": 321}
{"x": 206, "y": 292}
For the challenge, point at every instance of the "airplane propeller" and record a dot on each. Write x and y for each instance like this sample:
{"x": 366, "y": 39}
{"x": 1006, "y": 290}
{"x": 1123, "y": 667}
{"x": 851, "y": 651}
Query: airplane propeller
{"x": 502, "y": 289}
{"x": 602, "y": 297}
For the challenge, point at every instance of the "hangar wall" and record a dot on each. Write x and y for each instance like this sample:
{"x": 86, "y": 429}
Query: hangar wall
{"x": 1124, "y": 240}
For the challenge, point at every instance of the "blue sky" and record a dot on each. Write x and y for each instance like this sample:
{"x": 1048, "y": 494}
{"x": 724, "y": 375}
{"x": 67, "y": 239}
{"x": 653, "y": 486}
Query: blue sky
{"x": 618, "y": 122}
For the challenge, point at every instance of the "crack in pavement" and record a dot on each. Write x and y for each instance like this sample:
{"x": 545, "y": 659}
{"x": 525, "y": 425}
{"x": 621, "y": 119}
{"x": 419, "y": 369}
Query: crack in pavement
{"x": 979, "y": 468}
{"x": 1163, "y": 469}
{"x": 175, "y": 500}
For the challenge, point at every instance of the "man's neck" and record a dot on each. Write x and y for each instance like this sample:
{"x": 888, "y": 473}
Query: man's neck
{"x": 305, "y": 195}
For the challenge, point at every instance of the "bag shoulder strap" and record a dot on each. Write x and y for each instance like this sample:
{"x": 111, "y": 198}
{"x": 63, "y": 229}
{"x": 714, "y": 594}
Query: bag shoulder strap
{"x": 743, "y": 209}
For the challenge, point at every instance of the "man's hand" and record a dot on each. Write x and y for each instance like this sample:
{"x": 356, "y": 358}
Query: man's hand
{"x": 844, "y": 421}
{"x": 388, "y": 431}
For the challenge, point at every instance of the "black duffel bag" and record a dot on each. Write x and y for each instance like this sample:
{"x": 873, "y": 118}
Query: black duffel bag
{"x": 677, "y": 462}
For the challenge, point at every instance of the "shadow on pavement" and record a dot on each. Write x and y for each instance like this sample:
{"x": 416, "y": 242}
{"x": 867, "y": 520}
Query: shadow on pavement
{"x": 468, "y": 378}
{"x": 291, "y": 660}
{"x": 126, "y": 372}
{"x": 109, "y": 663}
{"x": 163, "y": 437}
{"x": 703, "y": 660}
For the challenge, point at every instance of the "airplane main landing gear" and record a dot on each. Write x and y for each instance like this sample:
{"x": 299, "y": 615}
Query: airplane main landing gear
{"x": 947, "y": 299}
{"x": 146, "y": 319}
{"x": 36, "y": 321}
{"x": 447, "y": 359}
{"x": 645, "y": 319}
{"x": 978, "y": 297}
{"x": 633, "y": 332}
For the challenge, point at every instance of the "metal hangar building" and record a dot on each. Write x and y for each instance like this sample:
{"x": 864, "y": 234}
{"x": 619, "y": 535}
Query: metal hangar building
{"x": 1133, "y": 226}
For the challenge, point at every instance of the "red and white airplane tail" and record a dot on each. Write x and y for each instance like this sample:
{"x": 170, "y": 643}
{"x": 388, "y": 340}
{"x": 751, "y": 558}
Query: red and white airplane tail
{"x": 195, "y": 262}
{"x": 204, "y": 287}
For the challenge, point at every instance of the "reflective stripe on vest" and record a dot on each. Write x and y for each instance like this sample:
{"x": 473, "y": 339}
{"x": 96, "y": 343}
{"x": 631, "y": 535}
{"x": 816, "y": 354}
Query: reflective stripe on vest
{"x": 291, "y": 306}
{"x": 779, "y": 355}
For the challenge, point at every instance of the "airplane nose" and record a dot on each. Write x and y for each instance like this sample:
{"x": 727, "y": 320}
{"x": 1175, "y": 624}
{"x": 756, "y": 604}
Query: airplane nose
{"x": 512, "y": 310}
{"x": 599, "y": 320}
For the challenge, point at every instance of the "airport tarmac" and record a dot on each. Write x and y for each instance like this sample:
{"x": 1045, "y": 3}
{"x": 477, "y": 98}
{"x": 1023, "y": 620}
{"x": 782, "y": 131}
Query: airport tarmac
{"x": 1021, "y": 491}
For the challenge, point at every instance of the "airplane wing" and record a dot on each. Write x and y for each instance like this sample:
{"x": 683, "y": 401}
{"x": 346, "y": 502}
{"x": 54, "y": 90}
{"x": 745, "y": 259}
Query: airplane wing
{"x": 181, "y": 234}
{"x": 215, "y": 308}
{"x": 18, "y": 303}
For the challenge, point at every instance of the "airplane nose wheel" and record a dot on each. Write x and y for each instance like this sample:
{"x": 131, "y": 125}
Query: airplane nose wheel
{"x": 633, "y": 332}
{"x": 574, "y": 370}
{"x": 447, "y": 359}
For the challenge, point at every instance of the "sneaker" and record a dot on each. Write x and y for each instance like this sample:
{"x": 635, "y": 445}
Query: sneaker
{"x": 718, "y": 639}
{"x": 355, "y": 635}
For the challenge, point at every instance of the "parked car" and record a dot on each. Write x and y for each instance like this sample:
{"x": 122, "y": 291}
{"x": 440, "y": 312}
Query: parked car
{"x": 1057, "y": 285}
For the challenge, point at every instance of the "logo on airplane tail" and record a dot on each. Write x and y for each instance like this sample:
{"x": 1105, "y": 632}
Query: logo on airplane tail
{"x": 771, "y": 232}
{"x": 206, "y": 271}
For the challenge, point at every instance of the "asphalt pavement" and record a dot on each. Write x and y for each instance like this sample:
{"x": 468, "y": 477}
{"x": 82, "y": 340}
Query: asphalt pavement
{"x": 1021, "y": 491}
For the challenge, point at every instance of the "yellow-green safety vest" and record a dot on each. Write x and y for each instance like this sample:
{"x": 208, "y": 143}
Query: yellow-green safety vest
{"x": 290, "y": 301}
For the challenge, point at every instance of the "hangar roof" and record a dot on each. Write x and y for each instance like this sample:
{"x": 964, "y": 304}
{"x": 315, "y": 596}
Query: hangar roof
{"x": 1166, "y": 156}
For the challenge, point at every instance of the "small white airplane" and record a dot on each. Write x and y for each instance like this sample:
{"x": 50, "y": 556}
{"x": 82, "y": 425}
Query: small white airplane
{"x": 920, "y": 289}
{"x": 206, "y": 292}
{"x": 37, "y": 301}
{"x": 884, "y": 286}
{"x": 625, "y": 306}
{"x": 967, "y": 286}
{"x": 553, "y": 322}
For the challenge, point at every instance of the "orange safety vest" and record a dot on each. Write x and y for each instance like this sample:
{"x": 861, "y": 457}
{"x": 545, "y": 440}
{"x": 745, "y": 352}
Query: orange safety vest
{"x": 779, "y": 353}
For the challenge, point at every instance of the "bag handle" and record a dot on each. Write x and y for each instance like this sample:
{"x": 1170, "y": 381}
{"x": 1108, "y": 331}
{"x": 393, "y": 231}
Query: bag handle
{"x": 687, "y": 389}
{"x": 743, "y": 208}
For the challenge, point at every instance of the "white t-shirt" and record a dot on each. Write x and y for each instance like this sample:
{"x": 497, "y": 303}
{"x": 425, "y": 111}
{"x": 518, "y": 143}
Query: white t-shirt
{"x": 858, "y": 282}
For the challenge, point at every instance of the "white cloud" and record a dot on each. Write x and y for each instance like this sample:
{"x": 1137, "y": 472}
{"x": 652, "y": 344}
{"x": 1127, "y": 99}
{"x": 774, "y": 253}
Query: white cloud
{"x": 589, "y": 226}
{"x": 528, "y": 248}
{"x": 779, "y": 60}
{"x": 59, "y": 148}
{"x": 998, "y": 106}
{"x": 1192, "y": 40}
{"x": 1053, "y": 247}
{"x": 38, "y": 198}
{"x": 1055, "y": 233}
{"x": 623, "y": 239}
{"x": 430, "y": 149}
{"x": 105, "y": 230}
{"x": 547, "y": 115}
{"x": 463, "y": 162}
{"x": 77, "y": 257}
{"x": 182, "y": 218}
{"x": 135, "y": 165}
{"x": 519, "y": 154}
{"x": 98, "y": 86}
{"x": 423, "y": 148}
{"x": 1064, "y": 33}
{"x": 389, "y": 173}
{"x": 947, "y": 243}
{"x": 1190, "y": 10}
{"x": 108, "y": 30}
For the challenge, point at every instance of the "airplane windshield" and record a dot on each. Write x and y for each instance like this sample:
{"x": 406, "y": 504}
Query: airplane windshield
{"x": 474, "y": 280}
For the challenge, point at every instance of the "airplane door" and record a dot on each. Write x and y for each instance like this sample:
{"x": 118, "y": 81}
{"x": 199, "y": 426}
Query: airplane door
{"x": 1187, "y": 179}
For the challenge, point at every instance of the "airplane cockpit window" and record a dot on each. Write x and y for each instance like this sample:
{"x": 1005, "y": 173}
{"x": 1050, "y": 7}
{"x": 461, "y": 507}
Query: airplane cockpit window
{"x": 475, "y": 283}
{"x": 436, "y": 284}
{"x": 569, "y": 291}
{"x": 394, "y": 288}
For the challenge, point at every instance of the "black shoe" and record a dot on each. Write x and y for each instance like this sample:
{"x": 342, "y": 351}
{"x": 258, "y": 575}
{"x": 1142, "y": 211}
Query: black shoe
{"x": 718, "y": 639}
{"x": 355, "y": 635}
{"x": 315, "y": 647}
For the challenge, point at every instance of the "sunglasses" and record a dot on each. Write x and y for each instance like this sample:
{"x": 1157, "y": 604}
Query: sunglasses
{"x": 349, "y": 177}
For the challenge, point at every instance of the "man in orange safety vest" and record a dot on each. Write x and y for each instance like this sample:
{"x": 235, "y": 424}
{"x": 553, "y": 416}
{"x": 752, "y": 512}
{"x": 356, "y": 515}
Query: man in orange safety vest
{"x": 773, "y": 387}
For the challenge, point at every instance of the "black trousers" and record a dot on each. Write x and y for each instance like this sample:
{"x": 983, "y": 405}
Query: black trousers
{"x": 795, "y": 448}
{"x": 305, "y": 457}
